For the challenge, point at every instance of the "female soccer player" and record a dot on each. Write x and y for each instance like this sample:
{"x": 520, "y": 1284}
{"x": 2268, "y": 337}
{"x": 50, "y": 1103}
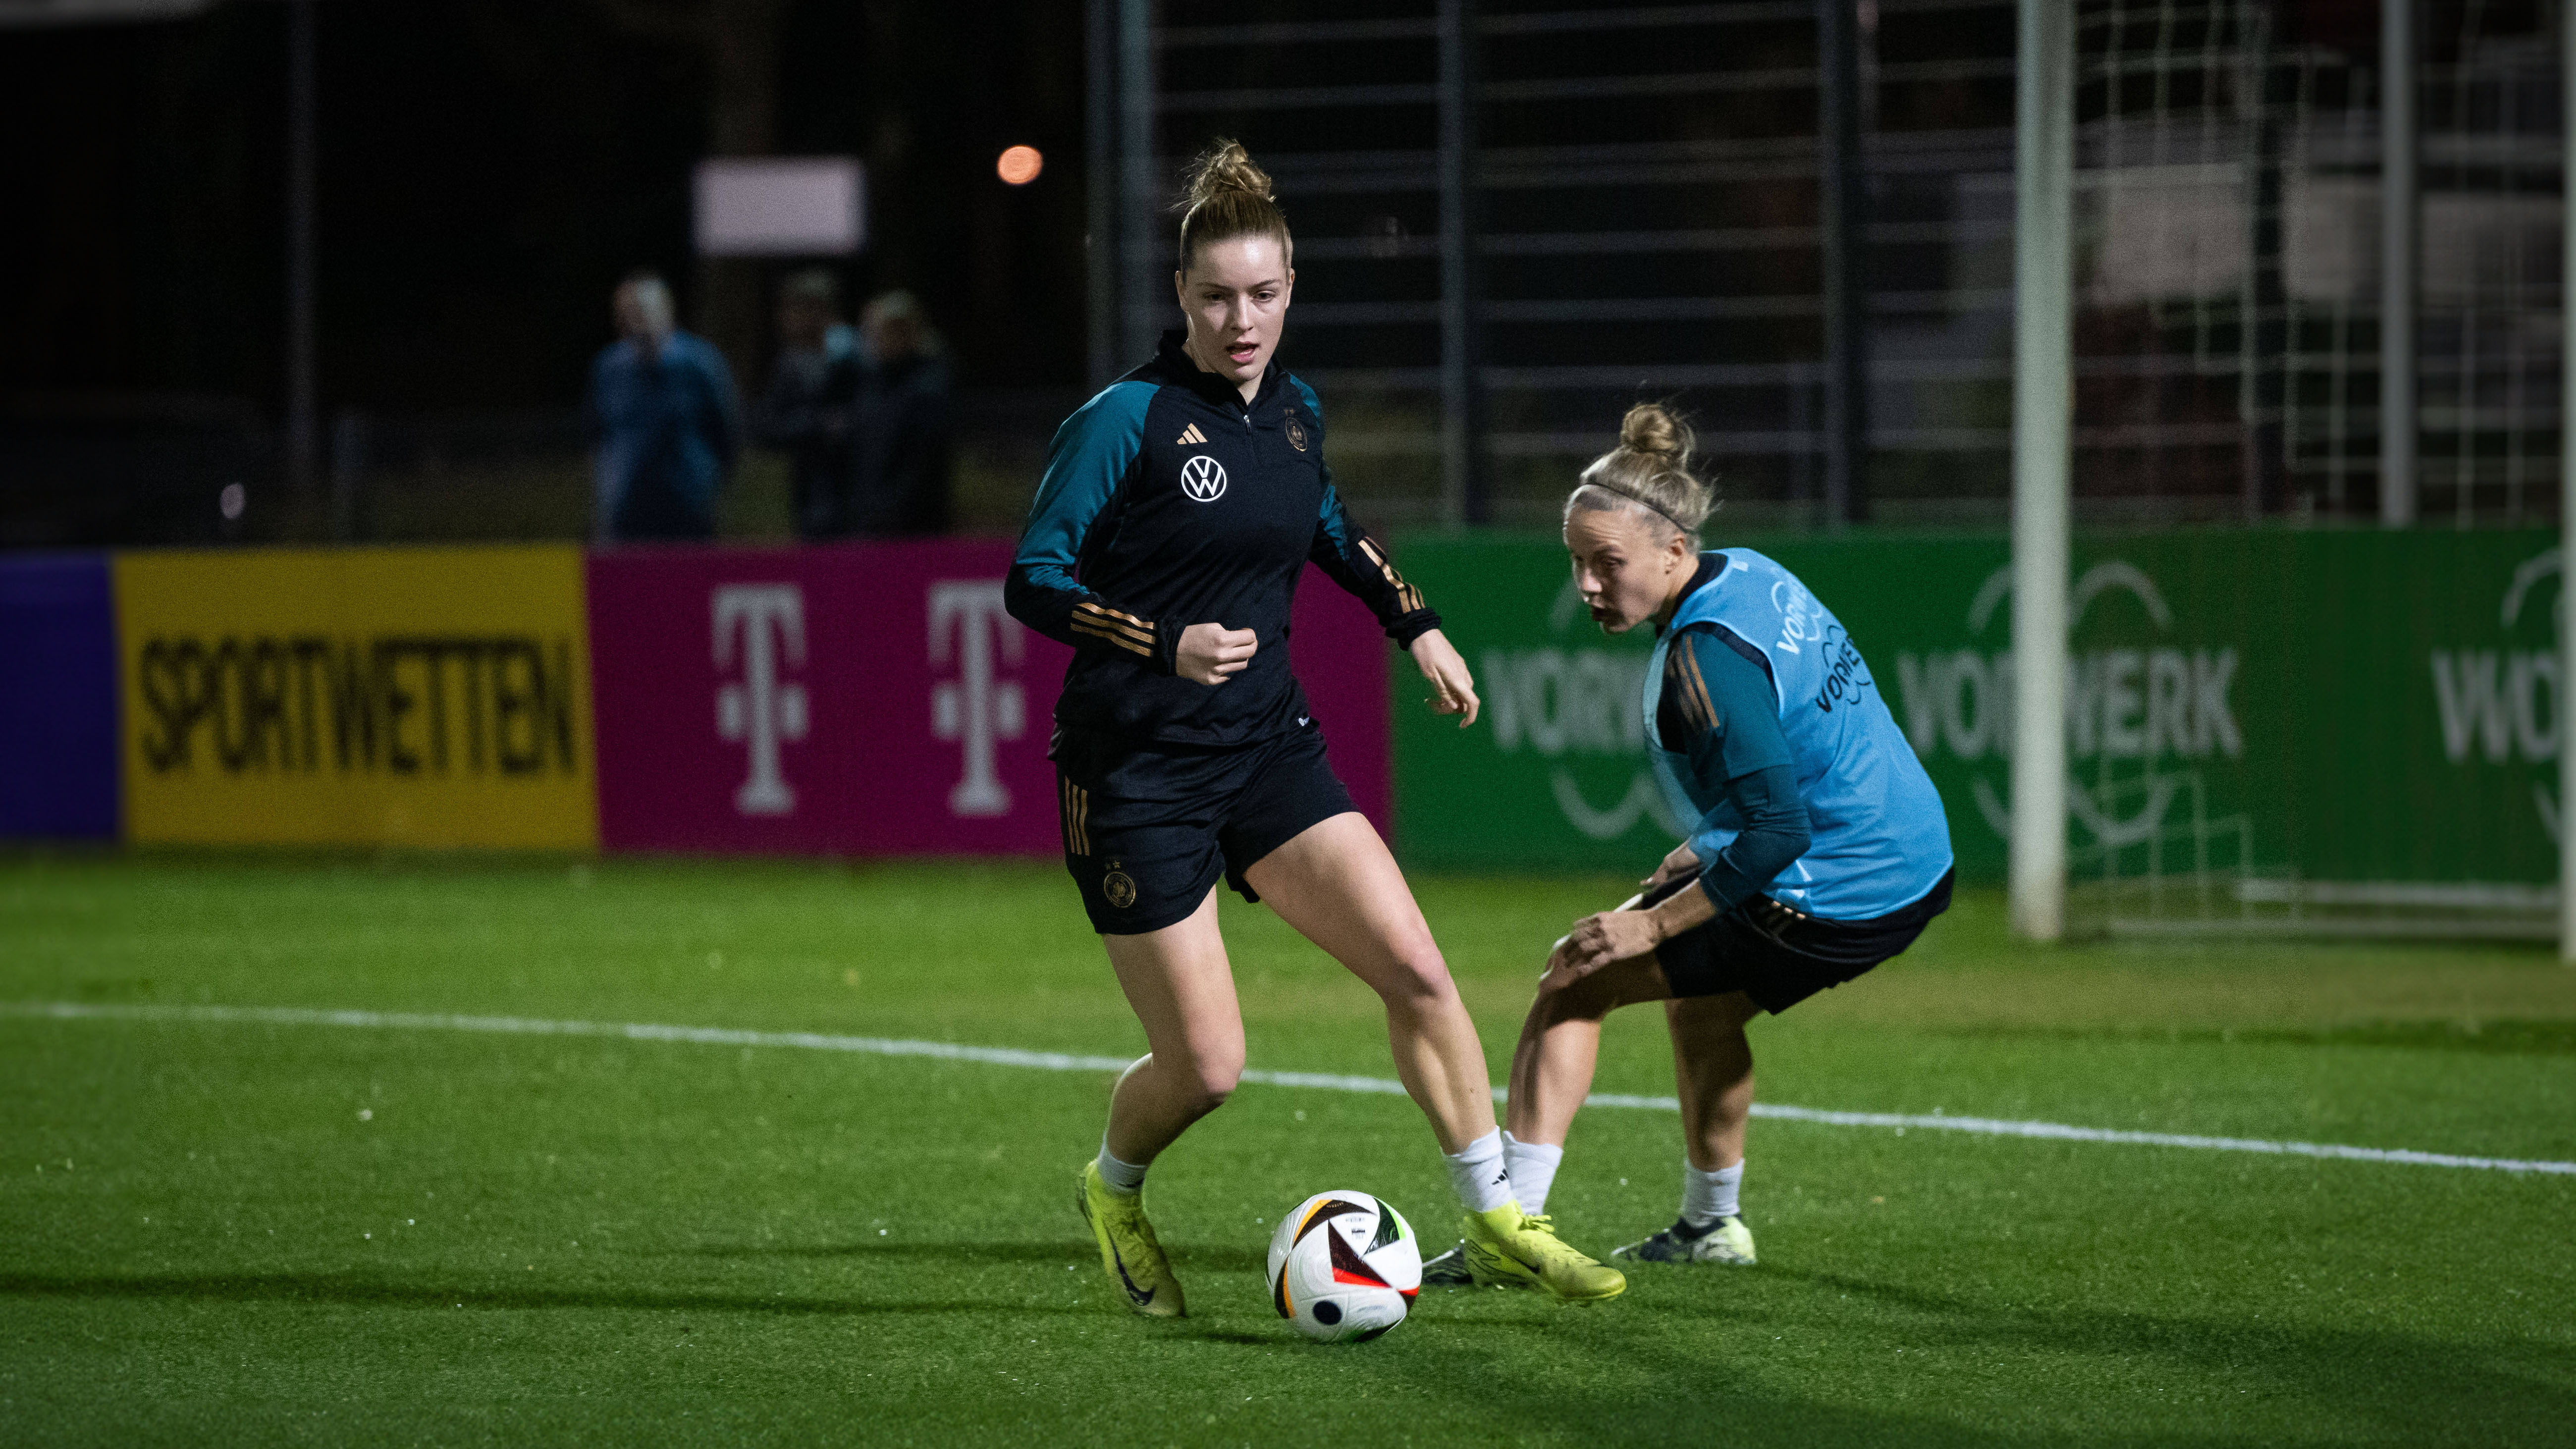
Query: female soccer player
{"x": 1165, "y": 544}
{"x": 1820, "y": 848}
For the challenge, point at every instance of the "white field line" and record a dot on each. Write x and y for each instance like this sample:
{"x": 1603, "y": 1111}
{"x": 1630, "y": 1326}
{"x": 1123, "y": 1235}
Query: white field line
{"x": 1320, "y": 1081}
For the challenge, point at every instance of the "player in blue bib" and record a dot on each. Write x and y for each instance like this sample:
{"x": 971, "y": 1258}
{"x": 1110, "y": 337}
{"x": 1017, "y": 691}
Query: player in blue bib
{"x": 1819, "y": 848}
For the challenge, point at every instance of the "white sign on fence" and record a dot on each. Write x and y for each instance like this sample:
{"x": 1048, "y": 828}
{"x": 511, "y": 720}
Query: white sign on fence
{"x": 781, "y": 206}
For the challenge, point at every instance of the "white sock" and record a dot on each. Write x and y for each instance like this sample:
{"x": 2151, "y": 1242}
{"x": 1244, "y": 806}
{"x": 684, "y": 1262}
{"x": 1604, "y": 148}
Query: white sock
{"x": 1123, "y": 1178}
{"x": 1479, "y": 1174}
{"x": 1709, "y": 1196}
{"x": 1533, "y": 1168}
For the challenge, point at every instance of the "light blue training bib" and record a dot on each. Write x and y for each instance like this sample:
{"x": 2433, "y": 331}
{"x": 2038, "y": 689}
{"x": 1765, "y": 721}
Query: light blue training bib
{"x": 1878, "y": 839}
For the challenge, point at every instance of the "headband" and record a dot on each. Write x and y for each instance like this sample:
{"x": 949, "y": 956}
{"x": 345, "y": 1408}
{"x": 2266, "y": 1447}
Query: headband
{"x": 1640, "y": 502}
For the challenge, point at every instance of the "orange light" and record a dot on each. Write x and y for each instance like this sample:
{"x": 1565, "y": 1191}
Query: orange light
{"x": 1020, "y": 165}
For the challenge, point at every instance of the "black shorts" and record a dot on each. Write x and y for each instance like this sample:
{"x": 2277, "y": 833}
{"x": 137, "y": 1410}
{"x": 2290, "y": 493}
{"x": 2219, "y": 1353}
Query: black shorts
{"x": 1780, "y": 956}
{"x": 1150, "y": 829}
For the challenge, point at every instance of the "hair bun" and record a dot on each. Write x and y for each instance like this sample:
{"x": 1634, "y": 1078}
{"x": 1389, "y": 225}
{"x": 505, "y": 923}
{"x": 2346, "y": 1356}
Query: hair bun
{"x": 1227, "y": 167}
{"x": 1229, "y": 197}
{"x": 1648, "y": 473}
{"x": 1648, "y": 428}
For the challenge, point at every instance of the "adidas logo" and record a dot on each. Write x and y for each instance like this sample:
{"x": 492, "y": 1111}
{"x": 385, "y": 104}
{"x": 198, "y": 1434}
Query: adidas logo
{"x": 1191, "y": 435}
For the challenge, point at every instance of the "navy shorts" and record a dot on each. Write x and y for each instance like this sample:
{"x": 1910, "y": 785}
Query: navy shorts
{"x": 1780, "y": 956}
{"x": 1149, "y": 829}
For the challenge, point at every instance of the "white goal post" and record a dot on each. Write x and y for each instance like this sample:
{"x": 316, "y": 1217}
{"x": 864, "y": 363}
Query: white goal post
{"x": 2043, "y": 458}
{"x": 2567, "y": 484}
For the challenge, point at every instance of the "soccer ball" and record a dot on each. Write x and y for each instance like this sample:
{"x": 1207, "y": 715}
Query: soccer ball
{"x": 1344, "y": 1267}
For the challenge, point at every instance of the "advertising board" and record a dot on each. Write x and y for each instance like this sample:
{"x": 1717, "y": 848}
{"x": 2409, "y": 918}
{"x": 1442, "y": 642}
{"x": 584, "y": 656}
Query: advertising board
{"x": 58, "y": 755}
{"x": 427, "y": 696}
{"x": 872, "y": 698}
{"x": 2374, "y": 710}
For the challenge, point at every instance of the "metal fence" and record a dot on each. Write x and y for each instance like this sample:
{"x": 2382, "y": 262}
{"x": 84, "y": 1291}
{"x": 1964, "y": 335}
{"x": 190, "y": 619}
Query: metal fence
{"x": 1513, "y": 220}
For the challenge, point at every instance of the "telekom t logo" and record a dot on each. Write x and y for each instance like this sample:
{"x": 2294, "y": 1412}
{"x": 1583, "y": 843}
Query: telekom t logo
{"x": 966, "y": 618}
{"x": 758, "y": 711}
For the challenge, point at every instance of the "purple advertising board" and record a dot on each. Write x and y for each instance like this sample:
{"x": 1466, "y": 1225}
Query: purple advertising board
{"x": 872, "y": 699}
{"x": 58, "y": 739}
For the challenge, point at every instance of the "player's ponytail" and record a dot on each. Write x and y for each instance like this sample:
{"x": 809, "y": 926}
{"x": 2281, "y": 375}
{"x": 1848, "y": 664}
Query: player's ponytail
{"x": 1228, "y": 197}
{"x": 1648, "y": 474}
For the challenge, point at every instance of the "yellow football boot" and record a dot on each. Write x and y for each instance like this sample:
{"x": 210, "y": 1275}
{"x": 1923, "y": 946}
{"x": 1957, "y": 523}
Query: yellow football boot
{"x": 1507, "y": 1248}
{"x": 1129, "y": 1251}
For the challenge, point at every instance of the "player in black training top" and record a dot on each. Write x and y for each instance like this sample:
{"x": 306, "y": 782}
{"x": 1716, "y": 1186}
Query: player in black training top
{"x": 1179, "y": 508}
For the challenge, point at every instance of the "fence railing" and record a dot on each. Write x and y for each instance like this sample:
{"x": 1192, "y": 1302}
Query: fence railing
{"x": 1593, "y": 206}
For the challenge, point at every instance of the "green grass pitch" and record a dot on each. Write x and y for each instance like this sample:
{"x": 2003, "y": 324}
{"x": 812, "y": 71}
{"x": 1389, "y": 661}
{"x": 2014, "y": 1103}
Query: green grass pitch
{"x": 218, "y": 1233}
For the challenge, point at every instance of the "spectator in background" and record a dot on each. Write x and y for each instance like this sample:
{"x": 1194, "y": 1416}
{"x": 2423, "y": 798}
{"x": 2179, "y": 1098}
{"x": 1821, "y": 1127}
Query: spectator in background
{"x": 900, "y": 432}
{"x": 663, "y": 419}
{"x": 812, "y": 394}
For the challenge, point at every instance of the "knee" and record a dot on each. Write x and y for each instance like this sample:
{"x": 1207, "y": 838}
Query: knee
{"x": 1209, "y": 1077}
{"x": 1418, "y": 976}
{"x": 1582, "y": 1000}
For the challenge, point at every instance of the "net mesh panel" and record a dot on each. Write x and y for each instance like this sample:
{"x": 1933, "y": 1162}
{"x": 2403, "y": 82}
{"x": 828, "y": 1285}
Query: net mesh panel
{"x": 2228, "y": 160}
{"x": 2227, "y": 195}
{"x": 2493, "y": 213}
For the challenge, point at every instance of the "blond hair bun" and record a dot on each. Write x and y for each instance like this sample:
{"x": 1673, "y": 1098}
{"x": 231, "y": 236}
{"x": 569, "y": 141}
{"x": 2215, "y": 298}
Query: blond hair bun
{"x": 1648, "y": 474}
{"x": 1649, "y": 429}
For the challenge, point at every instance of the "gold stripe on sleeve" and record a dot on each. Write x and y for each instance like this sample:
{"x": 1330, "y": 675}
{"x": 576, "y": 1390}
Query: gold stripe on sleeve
{"x": 1677, "y": 684}
{"x": 1120, "y": 632}
{"x": 1144, "y": 625}
{"x": 1407, "y": 597}
{"x": 1697, "y": 685}
{"x": 1111, "y": 626}
{"x": 1133, "y": 646}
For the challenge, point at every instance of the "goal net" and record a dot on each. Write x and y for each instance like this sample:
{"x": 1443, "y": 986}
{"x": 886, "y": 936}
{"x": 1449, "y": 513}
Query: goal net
{"x": 2227, "y": 197}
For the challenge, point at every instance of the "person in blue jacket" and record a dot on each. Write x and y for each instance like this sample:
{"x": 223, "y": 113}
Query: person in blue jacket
{"x": 1819, "y": 847}
{"x": 1178, "y": 510}
{"x": 664, "y": 422}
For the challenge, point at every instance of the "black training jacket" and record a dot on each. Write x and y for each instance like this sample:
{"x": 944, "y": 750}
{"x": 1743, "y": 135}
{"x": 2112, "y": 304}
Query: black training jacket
{"x": 1168, "y": 501}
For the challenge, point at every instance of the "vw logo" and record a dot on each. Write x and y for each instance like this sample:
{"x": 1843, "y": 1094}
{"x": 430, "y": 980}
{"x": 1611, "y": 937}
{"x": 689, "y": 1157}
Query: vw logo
{"x": 1203, "y": 478}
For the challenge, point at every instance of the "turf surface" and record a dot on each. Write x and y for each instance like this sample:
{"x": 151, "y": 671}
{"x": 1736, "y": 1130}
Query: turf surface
{"x": 227, "y": 1233}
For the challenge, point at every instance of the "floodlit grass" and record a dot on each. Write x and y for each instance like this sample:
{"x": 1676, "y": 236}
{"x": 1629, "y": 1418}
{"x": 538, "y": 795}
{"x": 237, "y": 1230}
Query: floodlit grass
{"x": 221, "y": 1233}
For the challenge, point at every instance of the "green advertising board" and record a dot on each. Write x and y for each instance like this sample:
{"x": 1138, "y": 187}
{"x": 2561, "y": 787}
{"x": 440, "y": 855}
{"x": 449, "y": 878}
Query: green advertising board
{"x": 2376, "y": 709}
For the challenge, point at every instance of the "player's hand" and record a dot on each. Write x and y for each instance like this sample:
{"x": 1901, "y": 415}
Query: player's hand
{"x": 1683, "y": 861}
{"x": 1453, "y": 689}
{"x": 1596, "y": 941}
{"x": 1213, "y": 653}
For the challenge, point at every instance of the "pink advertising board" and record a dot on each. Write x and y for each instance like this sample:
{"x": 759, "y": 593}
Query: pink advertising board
{"x": 874, "y": 699}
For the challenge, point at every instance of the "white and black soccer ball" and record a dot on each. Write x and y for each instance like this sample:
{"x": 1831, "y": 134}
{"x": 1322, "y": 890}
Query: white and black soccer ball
{"x": 1344, "y": 1267}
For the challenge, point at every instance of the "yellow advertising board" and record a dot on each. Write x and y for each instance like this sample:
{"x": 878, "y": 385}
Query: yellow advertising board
{"x": 376, "y": 696}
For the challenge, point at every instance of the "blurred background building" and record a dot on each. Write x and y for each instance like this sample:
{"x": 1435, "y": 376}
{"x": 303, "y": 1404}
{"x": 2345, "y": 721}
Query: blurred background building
{"x": 1513, "y": 217}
